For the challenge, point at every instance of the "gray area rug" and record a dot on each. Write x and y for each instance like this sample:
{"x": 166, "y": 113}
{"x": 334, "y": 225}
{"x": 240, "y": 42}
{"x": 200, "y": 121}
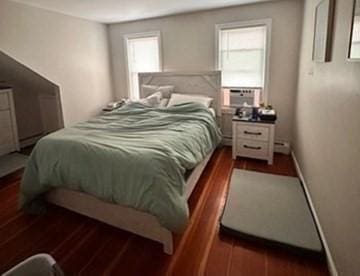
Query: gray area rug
{"x": 12, "y": 162}
{"x": 270, "y": 208}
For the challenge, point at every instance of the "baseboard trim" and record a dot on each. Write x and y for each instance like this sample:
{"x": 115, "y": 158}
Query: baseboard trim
{"x": 227, "y": 141}
{"x": 330, "y": 260}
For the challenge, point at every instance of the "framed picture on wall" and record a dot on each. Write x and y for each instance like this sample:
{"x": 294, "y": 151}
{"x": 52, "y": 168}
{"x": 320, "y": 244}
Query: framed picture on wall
{"x": 323, "y": 28}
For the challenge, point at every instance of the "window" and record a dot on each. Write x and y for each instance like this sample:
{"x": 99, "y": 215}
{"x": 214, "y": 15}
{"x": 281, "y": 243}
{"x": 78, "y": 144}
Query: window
{"x": 355, "y": 45}
{"x": 242, "y": 54}
{"x": 143, "y": 55}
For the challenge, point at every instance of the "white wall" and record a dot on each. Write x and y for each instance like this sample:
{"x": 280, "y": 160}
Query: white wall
{"x": 188, "y": 43}
{"x": 327, "y": 131}
{"x": 71, "y": 52}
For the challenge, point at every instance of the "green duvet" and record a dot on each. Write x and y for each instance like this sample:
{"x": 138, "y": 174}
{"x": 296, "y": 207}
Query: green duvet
{"x": 134, "y": 156}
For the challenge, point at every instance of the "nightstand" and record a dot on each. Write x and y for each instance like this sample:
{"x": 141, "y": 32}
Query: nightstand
{"x": 253, "y": 139}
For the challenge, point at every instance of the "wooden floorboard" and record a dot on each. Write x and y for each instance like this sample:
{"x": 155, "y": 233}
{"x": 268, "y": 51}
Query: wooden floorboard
{"x": 83, "y": 246}
{"x": 247, "y": 258}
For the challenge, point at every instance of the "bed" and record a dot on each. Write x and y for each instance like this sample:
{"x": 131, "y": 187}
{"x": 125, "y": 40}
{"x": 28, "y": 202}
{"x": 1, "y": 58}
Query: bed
{"x": 137, "y": 184}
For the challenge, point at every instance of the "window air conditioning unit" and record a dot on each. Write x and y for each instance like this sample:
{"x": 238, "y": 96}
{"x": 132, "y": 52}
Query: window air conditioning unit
{"x": 247, "y": 96}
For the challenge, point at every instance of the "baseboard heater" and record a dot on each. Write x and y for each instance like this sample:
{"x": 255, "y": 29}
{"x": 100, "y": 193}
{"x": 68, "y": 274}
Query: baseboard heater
{"x": 282, "y": 147}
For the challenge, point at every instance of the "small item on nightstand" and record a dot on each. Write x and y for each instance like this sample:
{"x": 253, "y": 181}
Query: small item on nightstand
{"x": 255, "y": 113}
{"x": 267, "y": 114}
{"x": 114, "y": 105}
{"x": 244, "y": 112}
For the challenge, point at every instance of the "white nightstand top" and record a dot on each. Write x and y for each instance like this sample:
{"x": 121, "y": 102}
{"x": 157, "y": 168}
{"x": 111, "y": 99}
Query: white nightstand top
{"x": 251, "y": 121}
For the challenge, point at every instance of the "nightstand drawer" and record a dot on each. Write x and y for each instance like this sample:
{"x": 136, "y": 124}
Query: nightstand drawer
{"x": 253, "y": 149}
{"x": 258, "y": 133}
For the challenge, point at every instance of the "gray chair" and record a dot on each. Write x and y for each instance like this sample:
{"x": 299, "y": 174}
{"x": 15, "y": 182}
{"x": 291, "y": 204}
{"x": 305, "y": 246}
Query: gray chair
{"x": 37, "y": 265}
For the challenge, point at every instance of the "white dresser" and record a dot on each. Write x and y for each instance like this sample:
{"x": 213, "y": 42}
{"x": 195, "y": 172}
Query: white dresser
{"x": 9, "y": 140}
{"x": 253, "y": 139}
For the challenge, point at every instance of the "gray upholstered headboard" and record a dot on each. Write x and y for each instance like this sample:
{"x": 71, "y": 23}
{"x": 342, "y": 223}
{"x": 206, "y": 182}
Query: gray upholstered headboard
{"x": 202, "y": 83}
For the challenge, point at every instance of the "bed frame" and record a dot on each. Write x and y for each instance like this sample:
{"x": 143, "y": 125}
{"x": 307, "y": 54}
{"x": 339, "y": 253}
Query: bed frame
{"x": 129, "y": 219}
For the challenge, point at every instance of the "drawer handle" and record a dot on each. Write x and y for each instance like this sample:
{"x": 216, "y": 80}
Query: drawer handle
{"x": 250, "y": 147}
{"x": 252, "y": 133}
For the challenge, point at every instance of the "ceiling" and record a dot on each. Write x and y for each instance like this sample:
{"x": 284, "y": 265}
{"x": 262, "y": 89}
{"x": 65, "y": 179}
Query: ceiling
{"x": 111, "y": 11}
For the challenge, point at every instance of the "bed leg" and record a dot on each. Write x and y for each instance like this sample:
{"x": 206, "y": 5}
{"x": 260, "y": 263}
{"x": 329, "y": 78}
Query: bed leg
{"x": 168, "y": 243}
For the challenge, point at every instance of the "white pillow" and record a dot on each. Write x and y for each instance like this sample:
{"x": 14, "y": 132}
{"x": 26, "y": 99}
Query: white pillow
{"x": 187, "y": 98}
{"x": 212, "y": 111}
{"x": 163, "y": 102}
{"x": 166, "y": 90}
{"x": 153, "y": 100}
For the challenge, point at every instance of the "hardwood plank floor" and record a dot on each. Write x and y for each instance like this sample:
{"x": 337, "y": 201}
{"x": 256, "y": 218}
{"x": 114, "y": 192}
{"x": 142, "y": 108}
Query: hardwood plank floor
{"x": 83, "y": 246}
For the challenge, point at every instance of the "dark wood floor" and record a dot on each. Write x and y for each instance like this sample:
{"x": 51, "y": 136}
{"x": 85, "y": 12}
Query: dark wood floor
{"x": 83, "y": 246}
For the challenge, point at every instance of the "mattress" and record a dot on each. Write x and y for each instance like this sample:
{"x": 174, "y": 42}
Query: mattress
{"x": 272, "y": 209}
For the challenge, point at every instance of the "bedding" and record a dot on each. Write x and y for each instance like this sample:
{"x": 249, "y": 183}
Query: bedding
{"x": 163, "y": 102}
{"x": 165, "y": 90}
{"x": 177, "y": 98}
{"x": 212, "y": 111}
{"x": 153, "y": 100}
{"x": 135, "y": 156}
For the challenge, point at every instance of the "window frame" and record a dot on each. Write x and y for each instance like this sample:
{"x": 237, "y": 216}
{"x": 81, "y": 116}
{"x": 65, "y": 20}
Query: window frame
{"x": 248, "y": 24}
{"x": 130, "y": 36}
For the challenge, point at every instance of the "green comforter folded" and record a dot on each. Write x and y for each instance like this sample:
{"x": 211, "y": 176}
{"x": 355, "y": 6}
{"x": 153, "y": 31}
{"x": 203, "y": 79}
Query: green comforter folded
{"x": 134, "y": 156}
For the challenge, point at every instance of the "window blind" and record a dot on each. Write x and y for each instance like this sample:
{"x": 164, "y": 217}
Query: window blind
{"x": 355, "y": 47}
{"x": 143, "y": 56}
{"x": 242, "y": 56}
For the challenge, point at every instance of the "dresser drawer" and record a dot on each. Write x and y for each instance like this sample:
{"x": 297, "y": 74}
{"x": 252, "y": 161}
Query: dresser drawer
{"x": 253, "y": 149}
{"x": 258, "y": 133}
{"x": 8, "y": 147}
{"x": 4, "y": 101}
{"x": 5, "y": 121}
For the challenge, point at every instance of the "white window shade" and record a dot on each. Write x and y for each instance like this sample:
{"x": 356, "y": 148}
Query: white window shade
{"x": 355, "y": 46}
{"x": 143, "y": 56}
{"x": 242, "y": 56}
{"x": 356, "y": 31}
